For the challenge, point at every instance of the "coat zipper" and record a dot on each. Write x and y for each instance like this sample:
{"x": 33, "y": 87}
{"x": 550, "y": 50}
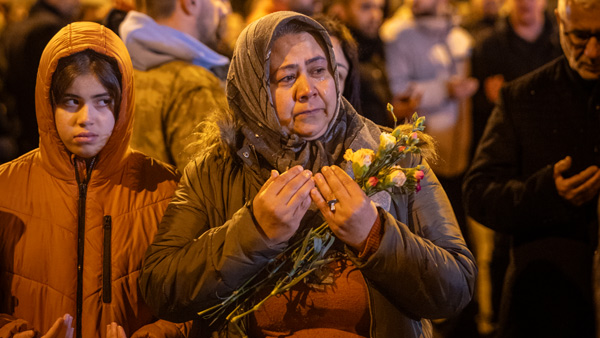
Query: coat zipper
{"x": 106, "y": 261}
{"x": 83, "y": 185}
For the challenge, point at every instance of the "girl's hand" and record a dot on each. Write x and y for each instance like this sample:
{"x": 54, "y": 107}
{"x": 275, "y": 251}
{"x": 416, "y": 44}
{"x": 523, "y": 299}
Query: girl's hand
{"x": 60, "y": 329}
{"x": 354, "y": 213}
{"x": 113, "y": 330}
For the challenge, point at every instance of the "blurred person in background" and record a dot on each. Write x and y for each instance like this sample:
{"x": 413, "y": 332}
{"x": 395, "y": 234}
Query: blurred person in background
{"x": 524, "y": 40}
{"x": 117, "y": 13}
{"x": 21, "y": 46}
{"x": 364, "y": 18}
{"x": 483, "y": 16}
{"x": 535, "y": 178}
{"x": 177, "y": 73}
{"x": 260, "y": 8}
{"x": 346, "y": 55}
{"x": 428, "y": 59}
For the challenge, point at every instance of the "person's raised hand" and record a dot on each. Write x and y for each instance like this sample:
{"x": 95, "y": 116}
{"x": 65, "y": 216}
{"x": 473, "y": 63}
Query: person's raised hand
{"x": 60, "y": 329}
{"x": 113, "y": 330}
{"x": 282, "y": 202}
{"x": 406, "y": 103}
{"x": 354, "y": 213}
{"x": 491, "y": 87}
{"x": 462, "y": 88}
{"x": 579, "y": 188}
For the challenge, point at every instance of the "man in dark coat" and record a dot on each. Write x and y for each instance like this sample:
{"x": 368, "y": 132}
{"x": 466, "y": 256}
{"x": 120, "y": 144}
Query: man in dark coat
{"x": 526, "y": 39}
{"x": 535, "y": 176}
{"x": 22, "y": 45}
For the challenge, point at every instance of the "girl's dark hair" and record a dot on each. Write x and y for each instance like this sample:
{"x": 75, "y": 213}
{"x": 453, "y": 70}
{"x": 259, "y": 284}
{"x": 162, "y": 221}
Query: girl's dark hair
{"x": 338, "y": 30}
{"x": 105, "y": 68}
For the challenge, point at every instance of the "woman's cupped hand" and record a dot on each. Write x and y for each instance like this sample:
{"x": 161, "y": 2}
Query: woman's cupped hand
{"x": 354, "y": 213}
{"x": 282, "y": 202}
{"x": 284, "y": 199}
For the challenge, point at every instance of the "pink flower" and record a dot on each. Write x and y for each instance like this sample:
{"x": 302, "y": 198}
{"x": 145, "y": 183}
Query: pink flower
{"x": 414, "y": 135}
{"x": 372, "y": 181}
{"x": 419, "y": 175}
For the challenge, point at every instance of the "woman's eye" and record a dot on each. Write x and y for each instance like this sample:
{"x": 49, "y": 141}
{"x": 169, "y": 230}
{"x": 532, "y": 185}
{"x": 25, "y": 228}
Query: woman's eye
{"x": 287, "y": 79}
{"x": 70, "y": 103}
{"x": 319, "y": 71}
{"x": 104, "y": 102}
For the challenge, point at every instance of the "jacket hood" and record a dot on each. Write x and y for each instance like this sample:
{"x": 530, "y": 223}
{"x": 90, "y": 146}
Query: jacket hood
{"x": 72, "y": 39}
{"x": 152, "y": 45}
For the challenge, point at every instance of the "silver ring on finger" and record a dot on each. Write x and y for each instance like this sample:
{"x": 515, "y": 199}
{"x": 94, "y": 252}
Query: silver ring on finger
{"x": 332, "y": 203}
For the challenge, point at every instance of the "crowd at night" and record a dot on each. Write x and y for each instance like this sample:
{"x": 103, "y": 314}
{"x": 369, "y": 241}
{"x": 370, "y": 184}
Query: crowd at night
{"x": 299, "y": 168}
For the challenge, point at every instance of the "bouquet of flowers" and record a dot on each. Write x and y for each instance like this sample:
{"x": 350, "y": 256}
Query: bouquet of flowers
{"x": 306, "y": 254}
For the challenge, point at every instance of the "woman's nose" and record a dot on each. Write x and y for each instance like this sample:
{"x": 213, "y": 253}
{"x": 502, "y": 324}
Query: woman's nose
{"x": 304, "y": 89}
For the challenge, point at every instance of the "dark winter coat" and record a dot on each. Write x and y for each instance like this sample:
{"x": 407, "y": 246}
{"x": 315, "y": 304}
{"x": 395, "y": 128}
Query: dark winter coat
{"x": 542, "y": 117}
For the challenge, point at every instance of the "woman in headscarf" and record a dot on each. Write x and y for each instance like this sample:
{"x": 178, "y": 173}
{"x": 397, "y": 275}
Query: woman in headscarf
{"x": 78, "y": 213}
{"x": 280, "y": 147}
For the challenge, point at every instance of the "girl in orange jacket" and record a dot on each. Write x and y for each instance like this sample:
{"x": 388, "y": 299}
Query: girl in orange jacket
{"x": 77, "y": 214}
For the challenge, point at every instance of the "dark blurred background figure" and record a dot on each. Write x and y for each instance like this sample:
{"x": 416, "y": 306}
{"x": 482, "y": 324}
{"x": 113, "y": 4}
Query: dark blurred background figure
{"x": 177, "y": 72}
{"x": 346, "y": 55}
{"x": 524, "y": 40}
{"x": 116, "y": 14}
{"x": 364, "y": 19}
{"x": 535, "y": 177}
{"x": 260, "y": 8}
{"x": 21, "y": 47}
{"x": 481, "y": 16}
{"x": 520, "y": 42}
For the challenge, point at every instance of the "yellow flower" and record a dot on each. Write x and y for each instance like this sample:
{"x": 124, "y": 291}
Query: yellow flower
{"x": 361, "y": 157}
{"x": 386, "y": 141}
{"x": 361, "y": 160}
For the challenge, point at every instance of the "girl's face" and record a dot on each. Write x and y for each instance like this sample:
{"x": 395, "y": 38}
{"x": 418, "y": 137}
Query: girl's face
{"x": 302, "y": 85}
{"x": 84, "y": 116}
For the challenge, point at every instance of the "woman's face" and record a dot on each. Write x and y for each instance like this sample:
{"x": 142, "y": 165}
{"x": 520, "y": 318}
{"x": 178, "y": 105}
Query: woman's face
{"x": 84, "y": 116}
{"x": 343, "y": 66}
{"x": 302, "y": 85}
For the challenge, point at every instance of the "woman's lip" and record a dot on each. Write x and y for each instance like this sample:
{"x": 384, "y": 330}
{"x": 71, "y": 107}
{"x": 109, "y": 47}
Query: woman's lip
{"x": 85, "y": 137}
{"x": 310, "y": 111}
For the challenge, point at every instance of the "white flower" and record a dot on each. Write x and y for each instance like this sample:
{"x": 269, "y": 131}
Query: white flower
{"x": 386, "y": 141}
{"x": 398, "y": 178}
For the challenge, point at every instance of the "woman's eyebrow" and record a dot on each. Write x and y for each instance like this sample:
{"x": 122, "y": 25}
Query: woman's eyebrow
{"x": 315, "y": 59}
{"x": 100, "y": 95}
{"x": 309, "y": 61}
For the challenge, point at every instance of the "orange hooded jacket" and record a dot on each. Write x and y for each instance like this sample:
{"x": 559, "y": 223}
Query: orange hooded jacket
{"x": 44, "y": 212}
